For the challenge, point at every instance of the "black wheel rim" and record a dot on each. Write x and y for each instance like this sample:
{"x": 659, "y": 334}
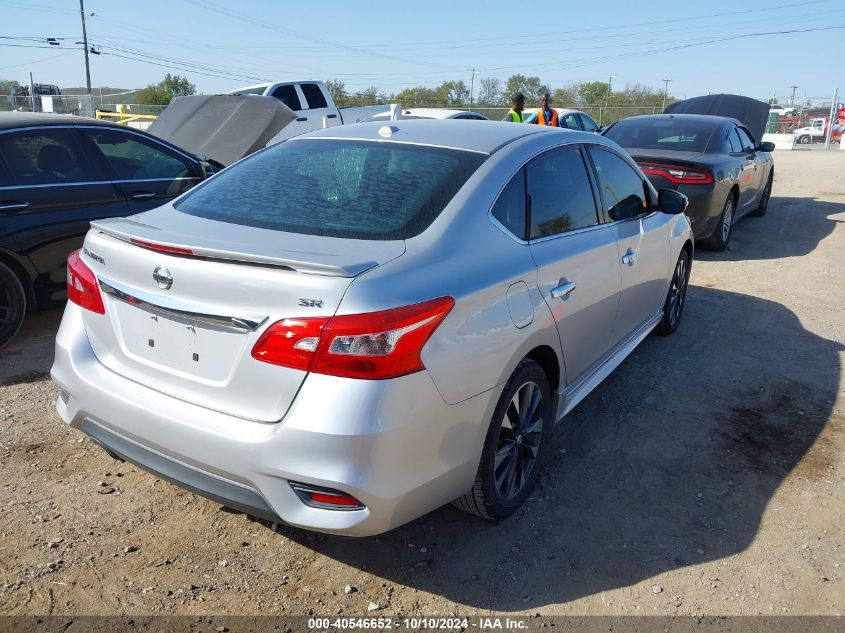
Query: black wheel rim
{"x": 519, "y": 441}
{"x": 11, "y": 309}
{"x": 727, "y": 220}
{"x": 678, "y": 292}
{"x": 767, "y": 193}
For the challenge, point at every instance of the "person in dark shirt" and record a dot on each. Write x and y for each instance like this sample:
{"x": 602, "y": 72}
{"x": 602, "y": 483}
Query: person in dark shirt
{"x": 546, "y": 114}
{"x": 517, "y": 106}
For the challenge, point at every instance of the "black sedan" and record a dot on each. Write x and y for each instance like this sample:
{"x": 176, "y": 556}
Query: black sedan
{"x": 57, "y": 173}
{"x": 714, "y": 160}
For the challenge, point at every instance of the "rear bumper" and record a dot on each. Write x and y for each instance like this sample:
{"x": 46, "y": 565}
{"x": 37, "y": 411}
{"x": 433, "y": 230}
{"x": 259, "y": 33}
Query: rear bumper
{"x": 704, "y": 205}
{"x": 395, "y": 445}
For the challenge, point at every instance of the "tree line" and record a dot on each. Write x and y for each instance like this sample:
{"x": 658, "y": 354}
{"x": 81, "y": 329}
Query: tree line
{"x": 492, "y": 92}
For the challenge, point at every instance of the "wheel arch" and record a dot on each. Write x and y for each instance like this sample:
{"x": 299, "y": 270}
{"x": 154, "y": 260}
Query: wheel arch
{"x": 23, "y": 274}
{"x": 546, "y": 357}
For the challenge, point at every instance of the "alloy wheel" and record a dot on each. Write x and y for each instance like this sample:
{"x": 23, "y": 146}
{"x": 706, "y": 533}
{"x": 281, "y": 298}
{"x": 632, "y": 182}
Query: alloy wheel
{"x": 678, "y": 291}
{"x": 519, "y": 440}
{"x": 727, "y": 220}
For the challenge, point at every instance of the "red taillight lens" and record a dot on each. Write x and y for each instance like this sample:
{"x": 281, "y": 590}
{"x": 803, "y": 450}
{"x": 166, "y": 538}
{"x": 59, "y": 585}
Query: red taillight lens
{"x": 82, "y": 288}
{"x": 677, "y": 174}
{"x": 372, "y": 346}
{"x": 162, "y": 248}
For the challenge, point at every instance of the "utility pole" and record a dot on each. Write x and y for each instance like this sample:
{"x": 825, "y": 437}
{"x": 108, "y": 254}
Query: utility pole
{"x": 31, "y": 91}
{"x": 472, "y": 70}
{"x": 792, "y": 98}
{"x": 85, "y": 44}
{"x": 665, "y": 90}
{"x": 834, "y": 109}
{"x": 606, "y": 95}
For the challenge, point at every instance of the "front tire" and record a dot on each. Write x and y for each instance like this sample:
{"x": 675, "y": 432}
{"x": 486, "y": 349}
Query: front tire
{"x": 12, "y": 304}
{"x": 760, "y": 211}
{"x": 804, "y": 139}
{"x": 673, "y": 307}
{"x": 514, "y": 446}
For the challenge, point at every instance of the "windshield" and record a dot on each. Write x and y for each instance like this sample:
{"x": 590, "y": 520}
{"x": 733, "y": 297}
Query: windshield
{"x": 354, "y": 189}
{"x": 665, "y": 132}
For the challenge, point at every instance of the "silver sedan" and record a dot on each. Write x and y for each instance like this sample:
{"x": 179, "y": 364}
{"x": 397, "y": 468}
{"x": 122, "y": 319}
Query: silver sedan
{"x": 358, "y": 325}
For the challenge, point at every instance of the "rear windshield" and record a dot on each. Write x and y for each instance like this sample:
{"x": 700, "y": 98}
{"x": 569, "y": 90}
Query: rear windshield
{"x": 685, "y": 135}
{"x": 337, "y": 188}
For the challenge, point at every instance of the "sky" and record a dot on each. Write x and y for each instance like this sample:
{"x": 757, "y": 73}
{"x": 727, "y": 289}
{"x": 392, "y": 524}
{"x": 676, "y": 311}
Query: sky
{"x": 703, "y": 47}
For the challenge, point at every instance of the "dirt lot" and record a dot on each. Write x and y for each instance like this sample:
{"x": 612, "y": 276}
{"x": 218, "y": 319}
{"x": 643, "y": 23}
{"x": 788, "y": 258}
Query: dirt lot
{"x": 705, "y": 476}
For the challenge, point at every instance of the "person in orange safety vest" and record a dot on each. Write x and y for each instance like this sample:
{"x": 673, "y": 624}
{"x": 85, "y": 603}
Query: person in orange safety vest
{"x": 546, "y": 114}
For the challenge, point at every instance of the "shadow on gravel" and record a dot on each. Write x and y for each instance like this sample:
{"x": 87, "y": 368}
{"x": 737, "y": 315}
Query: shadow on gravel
{"x": 790, "y": 228}
{"x": 29, "y": 356}
{"x": 671, "y": 461}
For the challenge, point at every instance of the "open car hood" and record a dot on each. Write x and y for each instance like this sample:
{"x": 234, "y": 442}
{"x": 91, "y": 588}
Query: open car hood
{"x": 224, "y": 128}
{"x": 752, "y": 113}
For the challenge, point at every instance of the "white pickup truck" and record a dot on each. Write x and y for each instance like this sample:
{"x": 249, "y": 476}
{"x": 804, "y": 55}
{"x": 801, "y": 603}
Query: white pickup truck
{"x": 313, "y": 105}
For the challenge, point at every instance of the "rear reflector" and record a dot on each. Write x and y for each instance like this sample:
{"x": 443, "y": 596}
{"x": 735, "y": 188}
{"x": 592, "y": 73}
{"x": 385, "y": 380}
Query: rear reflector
{"x": 162, "y": 248}
{"x": 374, "y": 346}
{"x": 678, "y": 174}
{"x": 325, "y": 498}
{"x": 82, "y": 288}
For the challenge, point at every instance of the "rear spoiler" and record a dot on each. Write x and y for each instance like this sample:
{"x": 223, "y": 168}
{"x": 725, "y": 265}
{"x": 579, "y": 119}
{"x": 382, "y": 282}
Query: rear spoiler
{"x": 149, "y": 237}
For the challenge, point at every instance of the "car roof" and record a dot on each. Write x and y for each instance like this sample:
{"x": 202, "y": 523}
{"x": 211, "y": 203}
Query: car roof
{"x": 710, "y": 118}
{"x": 436, "y": 113}
{"x": 481, "y": 136}
{"x": 13, "y": 120}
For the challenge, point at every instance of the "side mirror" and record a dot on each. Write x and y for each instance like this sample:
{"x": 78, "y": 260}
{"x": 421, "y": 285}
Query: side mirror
{"x": 766, "y": 146}
{"x": 672, "y": 202}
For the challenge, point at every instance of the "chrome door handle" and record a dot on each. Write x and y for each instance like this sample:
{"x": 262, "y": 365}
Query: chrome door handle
{"x": 142, "y": 195}
{"x": 561, "y": 291}
{"x": 629, "y": 258}
{"x": 13, "y": 206}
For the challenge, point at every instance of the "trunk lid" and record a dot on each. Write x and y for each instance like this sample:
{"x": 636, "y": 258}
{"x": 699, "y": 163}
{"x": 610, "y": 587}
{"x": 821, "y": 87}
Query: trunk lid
{"x": 752, "y": 113}
{"x": 185, "y": 325}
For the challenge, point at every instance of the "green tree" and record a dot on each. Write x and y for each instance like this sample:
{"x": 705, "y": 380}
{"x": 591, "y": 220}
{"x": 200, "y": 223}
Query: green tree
{"x": 490, "y": 92}
{"x": 452, "y": 94}
{"x": 566, "y": 96}
{"x": 531, "y": 87}
{"x": 337, "y": 89}
{"x": 419, "y": 96}
{"x": 163, "y": 92}
{"x": 592, "y": 92}
{"x": 368, "y": 96}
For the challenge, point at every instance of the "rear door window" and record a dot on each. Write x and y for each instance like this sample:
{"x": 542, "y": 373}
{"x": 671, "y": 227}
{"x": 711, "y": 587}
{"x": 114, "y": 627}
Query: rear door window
{"x": 587, "y": 123}
{"x": 570, "y": 121}
{"x": 734, "y": 143}
{"x": 747, "y": 144}
{"x": 133, "y": 157}
{"x": 622, "y": 189}
{"x": 287, "y": 95}
{"x": 509, "y": 209}
{"x": 5, "y": 176}
{"x": 337, "y": 188}
{"x": 313, "y": 96}
{"x": 46, "y": 157}
{"x": 559, "y": 193}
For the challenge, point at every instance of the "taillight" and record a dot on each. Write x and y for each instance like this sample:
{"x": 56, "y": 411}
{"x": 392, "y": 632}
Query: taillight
{"x": 678, "y": 175}
{"x": 374, "y": 346}
{"x": 82, "y": 288}
{"x": 162, "y": 248}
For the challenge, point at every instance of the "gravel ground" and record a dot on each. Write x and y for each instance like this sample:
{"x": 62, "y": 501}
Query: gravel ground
{"x": 704, "y": 476}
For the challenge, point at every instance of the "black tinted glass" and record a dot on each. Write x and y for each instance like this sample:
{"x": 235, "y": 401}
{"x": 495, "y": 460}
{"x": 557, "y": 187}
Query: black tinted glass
{"x": 734, "y": 144}
{"x": 44, "y": 157}
{"x": 132, "y": 157}
{"x": 745, "y": 138}
{"x": 663, "y": 133}
{"x": 560, "y": 194}
{"x": 287, "y": 95}
{"x": 587, "y": 123}
{"x": 353, "y": 189}
{"x": 571, "y": 121}
{"x": 313, "y": 95}
{"x": 622, "y": 189}
{"x": 510, "y": 206}
{"x": 5, "y": 177}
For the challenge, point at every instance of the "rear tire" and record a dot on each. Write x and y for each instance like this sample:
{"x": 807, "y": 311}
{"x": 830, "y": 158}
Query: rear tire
{"x": 12, "y": 304}
{"x": 760, "y": 211}
{"x": 514, "y": 447}
{"x": 724, "y": 229}
{"x": 673, "y": 307}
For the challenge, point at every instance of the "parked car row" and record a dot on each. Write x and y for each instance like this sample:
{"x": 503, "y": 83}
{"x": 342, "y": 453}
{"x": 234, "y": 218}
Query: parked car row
{"x": 350, "y": 328}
